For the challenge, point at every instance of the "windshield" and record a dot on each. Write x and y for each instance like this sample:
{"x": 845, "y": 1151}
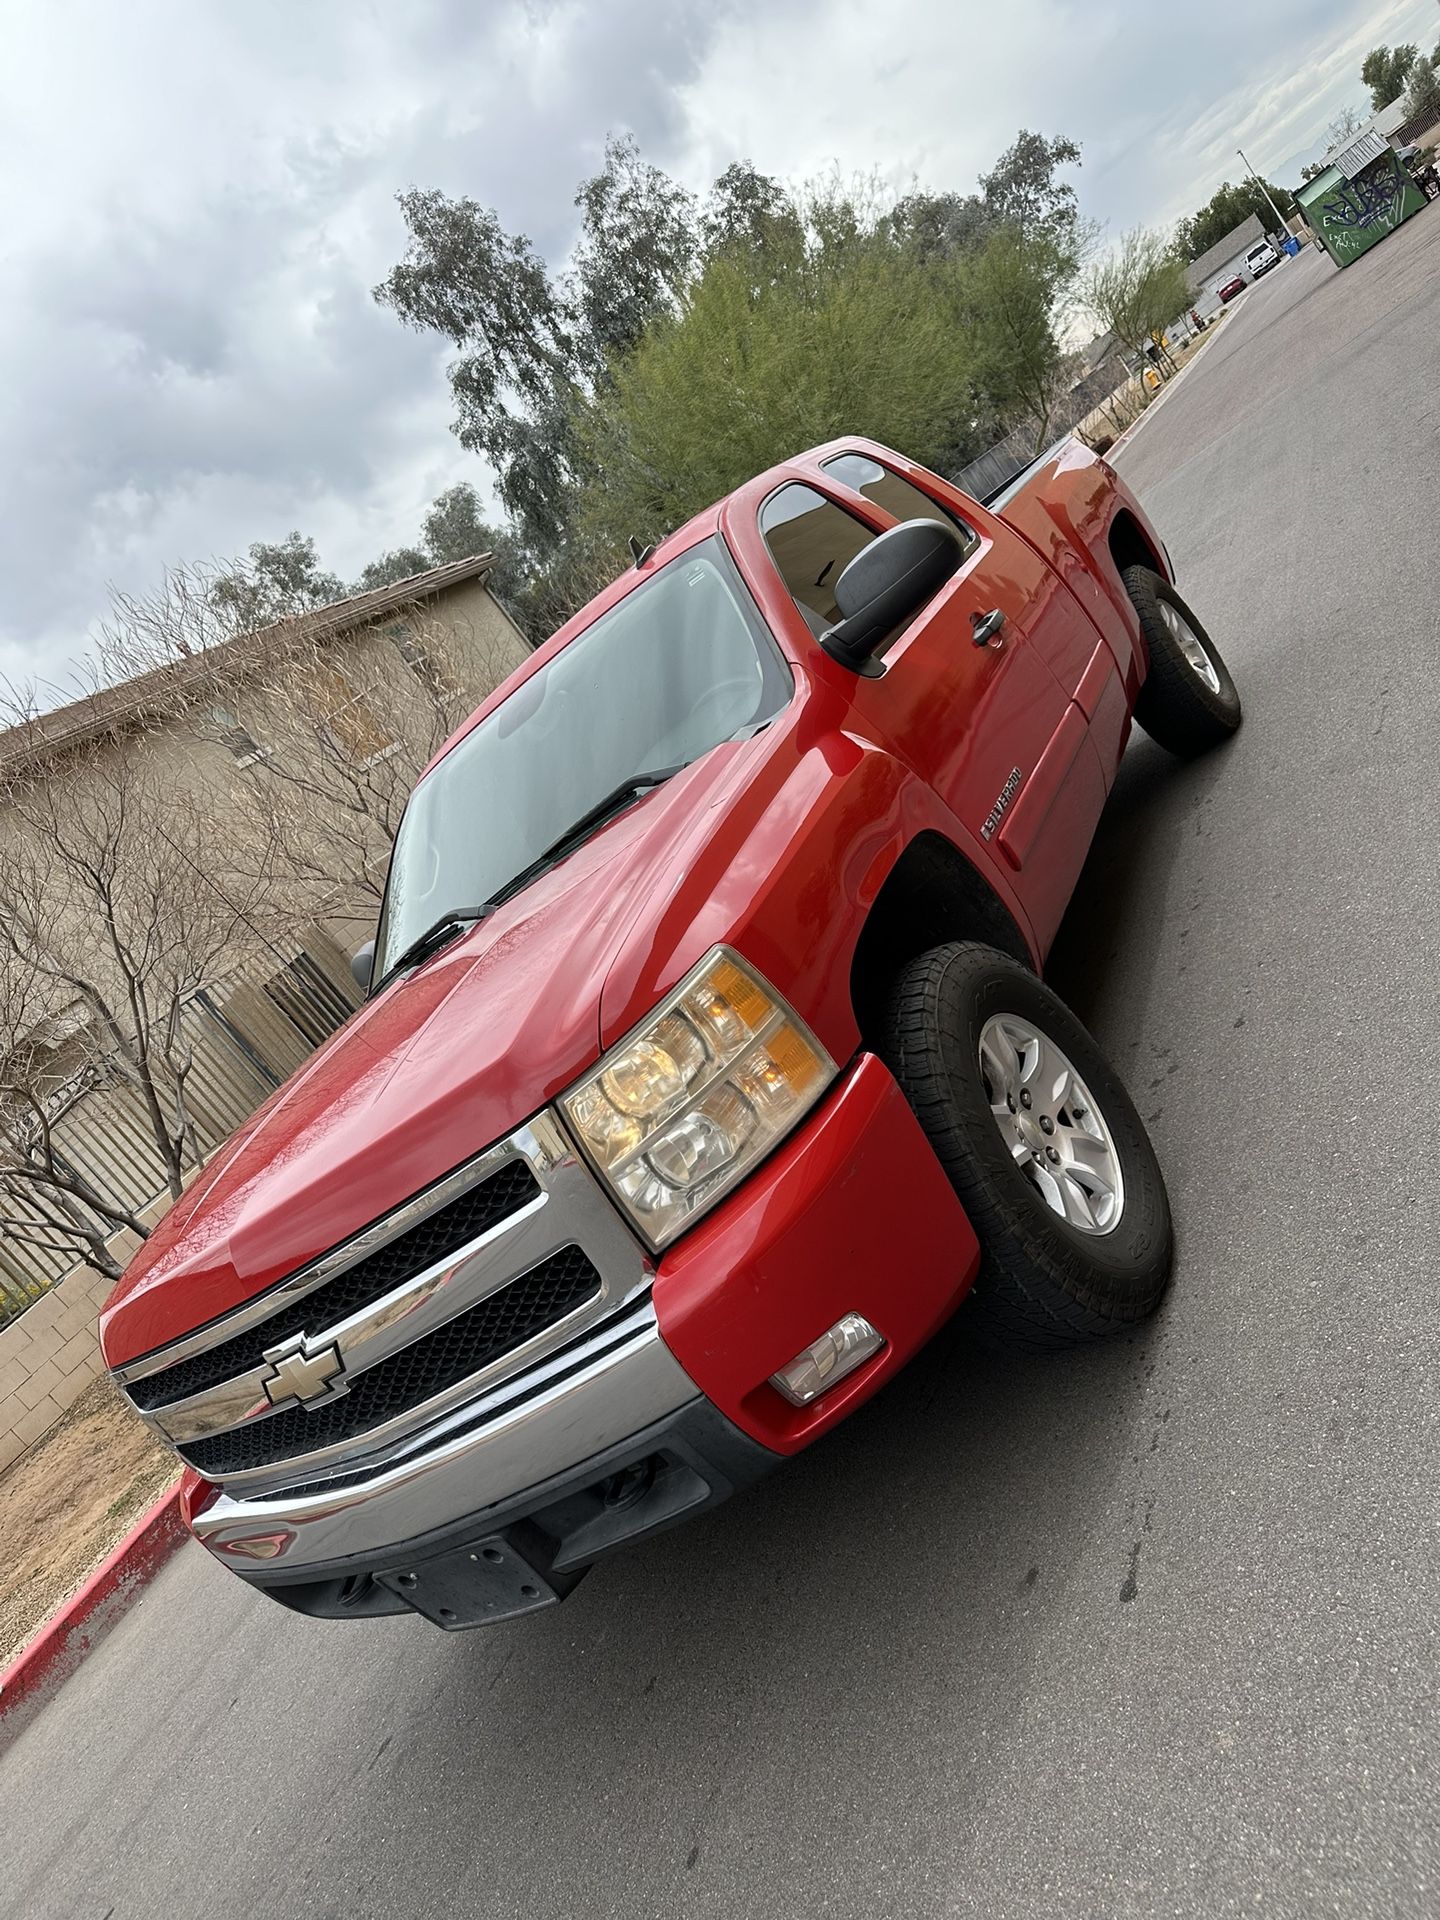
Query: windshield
{"x": 680, "y": 664}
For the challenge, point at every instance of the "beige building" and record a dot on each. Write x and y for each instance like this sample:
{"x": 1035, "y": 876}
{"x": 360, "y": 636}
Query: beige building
{"x": 259, "y": 780}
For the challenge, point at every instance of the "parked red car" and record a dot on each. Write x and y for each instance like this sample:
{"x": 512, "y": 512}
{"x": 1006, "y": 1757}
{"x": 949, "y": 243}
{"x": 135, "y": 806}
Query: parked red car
{"x": 1231, "y": 288}
{"x": 707, "y": 1066}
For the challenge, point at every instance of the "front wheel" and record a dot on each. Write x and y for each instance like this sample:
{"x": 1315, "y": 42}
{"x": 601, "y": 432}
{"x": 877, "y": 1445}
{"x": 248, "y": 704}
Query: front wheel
{"x": 1189, "y": 702}
{"x": 1041, "y": 1143}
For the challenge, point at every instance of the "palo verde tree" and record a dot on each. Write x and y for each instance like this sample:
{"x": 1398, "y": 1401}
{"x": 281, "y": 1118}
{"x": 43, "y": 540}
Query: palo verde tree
{"x": 823, "y": 327}
{"x": 1137, "y": 289}
{"x": 564, "y": 380}
{"x": 1008, "y": 299}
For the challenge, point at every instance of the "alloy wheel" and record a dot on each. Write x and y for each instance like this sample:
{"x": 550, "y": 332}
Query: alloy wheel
{"x": 1050, "y": 1124}
{"x": 1191, "y": 645}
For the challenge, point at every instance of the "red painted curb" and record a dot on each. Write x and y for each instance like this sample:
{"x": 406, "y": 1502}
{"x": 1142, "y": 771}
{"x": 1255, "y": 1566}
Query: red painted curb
{"x": 83, "y": 1621}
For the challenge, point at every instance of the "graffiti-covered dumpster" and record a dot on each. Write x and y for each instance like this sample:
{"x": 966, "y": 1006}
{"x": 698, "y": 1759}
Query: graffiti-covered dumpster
{"x": 1350, "y": 211}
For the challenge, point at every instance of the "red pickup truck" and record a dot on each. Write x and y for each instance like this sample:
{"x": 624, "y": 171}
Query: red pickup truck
{"x": 706, "y": 1065}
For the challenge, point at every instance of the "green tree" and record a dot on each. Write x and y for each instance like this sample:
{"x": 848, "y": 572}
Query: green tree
{"x": 489, "y": 293}
{"x": 940, "y": 226}
{"x": 1422, "y": 95}
{"x": 1020, "y": 242}
{"x": 1023, "y": 189}
{"x": 400, "y": 564}
{"x": 530, "y": 344}
{"x": 1009, "y": 313}
{"x": 281, "y": 578}
{"x": 1227, "y": 208}
{"x": 455, "y": 528}
{"x": 637, "y": 242}
{"x": 1386, "y": 70}
{"x": 836, "y": 329}
{"x": 560, "y": 380}
{"x": 743, "y": 207}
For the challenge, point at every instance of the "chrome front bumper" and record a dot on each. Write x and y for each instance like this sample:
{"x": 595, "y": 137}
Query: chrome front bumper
{"x": 385, "y": 1518}
{"x": 366, "y": 1408}
{"x": 388, "y": 1341}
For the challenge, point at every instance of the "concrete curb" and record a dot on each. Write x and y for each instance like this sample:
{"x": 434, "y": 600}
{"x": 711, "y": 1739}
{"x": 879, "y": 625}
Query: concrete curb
{"x": 82, "y": 1622}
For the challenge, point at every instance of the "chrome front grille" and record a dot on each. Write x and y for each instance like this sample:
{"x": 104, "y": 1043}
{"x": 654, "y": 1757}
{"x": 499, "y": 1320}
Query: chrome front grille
{"x": 436, "y": 1236}
{"x": 457, "y": 1292}
{"x": 461, "y": 1347}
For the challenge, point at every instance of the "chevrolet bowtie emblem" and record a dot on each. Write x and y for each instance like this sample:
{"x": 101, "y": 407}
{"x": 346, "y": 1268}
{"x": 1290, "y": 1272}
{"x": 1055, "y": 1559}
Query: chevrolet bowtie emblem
{"x": 301, "y": 1374}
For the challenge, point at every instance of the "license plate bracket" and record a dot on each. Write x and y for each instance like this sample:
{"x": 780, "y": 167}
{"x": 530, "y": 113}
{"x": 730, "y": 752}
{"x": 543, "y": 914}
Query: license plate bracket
{"x": 490, "y": 1579}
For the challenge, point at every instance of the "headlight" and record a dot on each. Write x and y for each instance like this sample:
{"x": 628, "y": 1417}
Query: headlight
{"x": 682, "y": 1109}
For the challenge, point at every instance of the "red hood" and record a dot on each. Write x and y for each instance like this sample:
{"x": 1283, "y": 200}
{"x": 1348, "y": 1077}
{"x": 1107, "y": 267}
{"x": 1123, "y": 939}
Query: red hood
{"x": 431, "y": 1072}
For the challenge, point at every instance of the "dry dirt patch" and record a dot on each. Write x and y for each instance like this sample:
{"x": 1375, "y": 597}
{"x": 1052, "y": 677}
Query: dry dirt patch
{"x": 67, "y": 1502}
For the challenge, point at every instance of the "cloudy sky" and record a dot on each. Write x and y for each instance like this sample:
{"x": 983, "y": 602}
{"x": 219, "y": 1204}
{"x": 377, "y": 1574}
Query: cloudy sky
{"x": 198, "y": 197}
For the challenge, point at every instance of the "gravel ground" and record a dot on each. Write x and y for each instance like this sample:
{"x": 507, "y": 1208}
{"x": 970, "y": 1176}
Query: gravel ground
{"x": 1143, "y": 1631}
{"x": 67, "y": 1502}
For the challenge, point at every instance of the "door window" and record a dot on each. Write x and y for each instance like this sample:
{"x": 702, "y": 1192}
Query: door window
{"x": 896, "y": 496}
{"x": 811, "y": 541}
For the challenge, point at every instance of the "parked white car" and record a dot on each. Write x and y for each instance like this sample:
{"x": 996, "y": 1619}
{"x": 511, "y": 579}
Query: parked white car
{"x": 1260, "y": 259}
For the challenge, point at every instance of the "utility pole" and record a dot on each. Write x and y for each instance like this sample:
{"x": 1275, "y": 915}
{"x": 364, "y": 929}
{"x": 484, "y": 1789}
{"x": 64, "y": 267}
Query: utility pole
{"x": 1280, "y": 218}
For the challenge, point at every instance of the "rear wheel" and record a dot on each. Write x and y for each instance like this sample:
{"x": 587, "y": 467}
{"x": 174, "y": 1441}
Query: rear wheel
{"x": 1188, "y": 703}
{"x": 1041, "y": 1143}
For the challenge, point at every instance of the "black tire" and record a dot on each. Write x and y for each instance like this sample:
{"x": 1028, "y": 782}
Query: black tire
{"x": 1177, "y": 708}
{"x": 1043, "y": 1283}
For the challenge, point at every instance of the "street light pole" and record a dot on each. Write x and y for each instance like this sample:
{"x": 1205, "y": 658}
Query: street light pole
{"x": 1280, "y": 218}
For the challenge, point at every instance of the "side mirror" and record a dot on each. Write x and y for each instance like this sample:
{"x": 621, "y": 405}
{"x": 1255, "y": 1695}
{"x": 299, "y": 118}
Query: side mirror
{"x": 362, "y": 965}
{"x": 885, "y": 583}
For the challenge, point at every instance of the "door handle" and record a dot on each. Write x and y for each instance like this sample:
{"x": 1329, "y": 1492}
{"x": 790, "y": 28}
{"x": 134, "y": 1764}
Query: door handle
{"x": 986, "y": 625}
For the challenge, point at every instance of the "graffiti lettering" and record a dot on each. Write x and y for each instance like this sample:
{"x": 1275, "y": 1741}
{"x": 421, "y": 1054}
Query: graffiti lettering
{"x": 1376, "y": 199}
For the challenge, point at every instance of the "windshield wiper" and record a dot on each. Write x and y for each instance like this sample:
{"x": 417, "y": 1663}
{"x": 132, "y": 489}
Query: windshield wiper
{"x": 581, "y": 829}
{"x": 450, "y": 925}
{"x": 437, "y": 935}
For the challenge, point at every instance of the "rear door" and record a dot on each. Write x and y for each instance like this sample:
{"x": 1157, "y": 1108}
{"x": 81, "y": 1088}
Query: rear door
{"x": 976, "y": 695}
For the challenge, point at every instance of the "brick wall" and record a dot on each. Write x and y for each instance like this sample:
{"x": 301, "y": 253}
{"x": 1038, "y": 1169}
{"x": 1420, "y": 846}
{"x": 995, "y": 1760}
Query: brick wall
{"x": 52, "y": 1352}
{"x": 47, "y": 1359}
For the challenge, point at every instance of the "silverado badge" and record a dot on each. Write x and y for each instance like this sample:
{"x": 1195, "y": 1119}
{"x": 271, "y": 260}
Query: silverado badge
{"x": 1001, "y": 807}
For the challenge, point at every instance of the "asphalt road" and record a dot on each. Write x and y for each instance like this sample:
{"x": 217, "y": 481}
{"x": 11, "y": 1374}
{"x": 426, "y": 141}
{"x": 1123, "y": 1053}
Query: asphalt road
{"x": 1149, "y": 1630}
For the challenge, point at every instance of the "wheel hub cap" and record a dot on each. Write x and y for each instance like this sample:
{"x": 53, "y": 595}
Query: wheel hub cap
{"x": 1072, "y": 1163}
{"x": 1191, "y": 645}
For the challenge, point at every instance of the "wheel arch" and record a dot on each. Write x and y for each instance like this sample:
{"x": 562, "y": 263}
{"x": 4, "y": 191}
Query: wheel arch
{"x": 1131, "y": 546}
{"x": 932, "y": 894}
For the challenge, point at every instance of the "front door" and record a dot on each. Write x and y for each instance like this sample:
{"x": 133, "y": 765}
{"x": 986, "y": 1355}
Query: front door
{"x": 970, "y": 696}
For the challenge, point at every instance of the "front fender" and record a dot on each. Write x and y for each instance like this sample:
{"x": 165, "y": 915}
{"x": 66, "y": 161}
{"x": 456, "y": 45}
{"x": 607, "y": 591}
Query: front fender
{"x": 787, "y": 873}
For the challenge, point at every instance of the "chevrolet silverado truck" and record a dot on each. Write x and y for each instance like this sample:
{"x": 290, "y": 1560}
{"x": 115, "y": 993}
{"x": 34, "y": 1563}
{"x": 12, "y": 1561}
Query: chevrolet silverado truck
{"x": 706, "y": 1065}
